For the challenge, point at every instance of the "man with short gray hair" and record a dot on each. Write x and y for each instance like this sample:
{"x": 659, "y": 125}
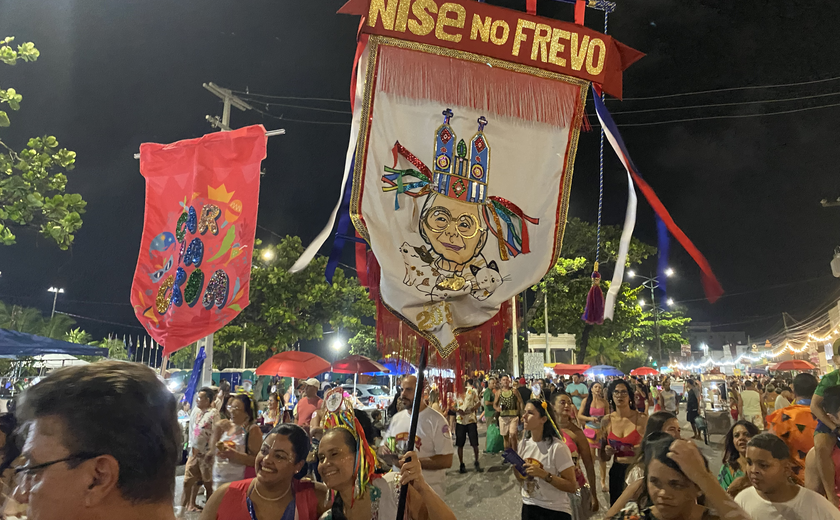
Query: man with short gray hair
{"x": 102, "y": 442}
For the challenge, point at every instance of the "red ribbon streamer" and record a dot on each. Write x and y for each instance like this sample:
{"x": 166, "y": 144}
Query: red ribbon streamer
{"x": 519, "y": 213}
{"x": 531, "y": 6}
{"x": 711, "y": 286}
{"x": 361, "y": 262}
{"x": 580, "y": 11}
{"x": 399, "y": 149}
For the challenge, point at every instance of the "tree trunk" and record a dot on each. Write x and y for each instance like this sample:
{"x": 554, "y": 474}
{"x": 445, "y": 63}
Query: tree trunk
{"x": 539, "y": 301}
{"x": 584, "y": 343}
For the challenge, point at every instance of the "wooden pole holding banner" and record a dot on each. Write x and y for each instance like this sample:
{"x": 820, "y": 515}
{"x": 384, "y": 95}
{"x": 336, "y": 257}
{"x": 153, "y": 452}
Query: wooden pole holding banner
{"x": 415, "y": 415}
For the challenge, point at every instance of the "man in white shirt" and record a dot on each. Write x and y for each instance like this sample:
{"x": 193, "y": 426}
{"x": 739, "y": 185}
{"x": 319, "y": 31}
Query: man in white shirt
{"x": 773, "y": 496}
{"x": 433, "y": 441}
{"x": 784, "y": 398}
{"x": 467, "y": 425}
{"x": 753, "y": 407}
{"x": 667, "y": 397}
{"x": 577, "y": 390}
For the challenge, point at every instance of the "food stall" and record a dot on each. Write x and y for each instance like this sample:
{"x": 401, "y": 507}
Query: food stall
{"x": 716, "y": 404}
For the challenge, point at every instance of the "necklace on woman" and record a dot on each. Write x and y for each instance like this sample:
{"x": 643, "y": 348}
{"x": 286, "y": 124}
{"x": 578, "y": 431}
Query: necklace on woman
{"x": 281, "y": 497}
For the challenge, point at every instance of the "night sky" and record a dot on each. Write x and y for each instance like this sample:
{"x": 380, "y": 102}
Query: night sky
{"x": 114, "y": 74}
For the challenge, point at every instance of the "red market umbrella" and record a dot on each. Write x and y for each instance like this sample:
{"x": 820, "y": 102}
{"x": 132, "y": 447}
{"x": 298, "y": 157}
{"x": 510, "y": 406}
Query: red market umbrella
{"x": 561, "y": 369}
{"x": 357, "y": 364}
{"x": 644, "y": 371}
{"x": 793, "y": 364}
{"x": 293, "y": 363}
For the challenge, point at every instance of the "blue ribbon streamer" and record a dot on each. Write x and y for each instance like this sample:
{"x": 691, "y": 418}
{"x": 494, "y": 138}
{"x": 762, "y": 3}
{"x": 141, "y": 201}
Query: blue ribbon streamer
{"x": 663, "y": 243}
{"x": 195, "y": 376}
{"x": 343, "y": 226}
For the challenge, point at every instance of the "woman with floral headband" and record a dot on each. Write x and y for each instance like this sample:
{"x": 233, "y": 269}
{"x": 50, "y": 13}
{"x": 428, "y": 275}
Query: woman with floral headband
{"x": 347, "y": 465}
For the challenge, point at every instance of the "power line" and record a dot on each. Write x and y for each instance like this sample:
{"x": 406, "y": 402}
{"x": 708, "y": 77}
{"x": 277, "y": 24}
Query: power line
{"x": 281, "y": 118}
{"x": 100, "y": 321}
{"x": 738, "y": 116}
{"x": 768, "y": 288}
{"x": 292, "y": 97}
{"x": 757, "y": 319}
{"x": 299, "y": 106}
{"x": 730, "y": 89}
{"x": 737, "y": 103}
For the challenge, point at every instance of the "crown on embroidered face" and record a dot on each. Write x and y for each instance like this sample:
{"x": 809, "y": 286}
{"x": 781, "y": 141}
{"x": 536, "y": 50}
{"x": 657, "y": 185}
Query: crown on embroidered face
{"x": 461, "y": 170}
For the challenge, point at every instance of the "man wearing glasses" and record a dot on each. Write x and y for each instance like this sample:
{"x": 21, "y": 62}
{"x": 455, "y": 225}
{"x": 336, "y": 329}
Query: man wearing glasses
{"x": 102, "y": 442}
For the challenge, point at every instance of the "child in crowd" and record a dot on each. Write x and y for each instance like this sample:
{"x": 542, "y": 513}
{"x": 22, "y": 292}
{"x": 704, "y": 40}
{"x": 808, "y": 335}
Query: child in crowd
{"x": 825, "y": 436}
{"x": 312, "y": 459}
{"x": 774, "y": 496}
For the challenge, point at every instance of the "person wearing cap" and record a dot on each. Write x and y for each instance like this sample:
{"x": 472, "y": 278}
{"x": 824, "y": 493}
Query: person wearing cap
{"x": 309, "y": 404}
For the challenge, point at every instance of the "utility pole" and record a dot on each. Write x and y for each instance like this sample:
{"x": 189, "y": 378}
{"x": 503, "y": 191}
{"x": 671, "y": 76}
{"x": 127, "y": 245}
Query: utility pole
{"x": 244, "y": 349}
{"x": 545, "y": 317}
{"x": 229, "y": 99}
{"x": 656, "y": 319}
{"x": 784, "y": 322}
{"x": 514, "y": 339}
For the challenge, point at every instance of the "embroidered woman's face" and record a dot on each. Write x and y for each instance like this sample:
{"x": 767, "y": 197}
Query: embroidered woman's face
{"x": 454, "y": 229}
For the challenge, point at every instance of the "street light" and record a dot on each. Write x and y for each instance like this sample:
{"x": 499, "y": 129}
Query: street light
{"x": 652, "y": 283}
{"x": 268, "y": 254}
{"x": 57, "y": 291}
{"x": 337, "y": 345}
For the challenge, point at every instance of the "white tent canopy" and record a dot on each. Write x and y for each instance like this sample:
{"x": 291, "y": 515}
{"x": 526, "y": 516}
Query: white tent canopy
{"x": 57, "y": 361}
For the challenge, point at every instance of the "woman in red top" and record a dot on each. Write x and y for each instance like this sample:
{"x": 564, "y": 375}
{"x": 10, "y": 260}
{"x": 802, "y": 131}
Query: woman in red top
{"x": 275, "y": 493}
{"x": 624, "y": 429}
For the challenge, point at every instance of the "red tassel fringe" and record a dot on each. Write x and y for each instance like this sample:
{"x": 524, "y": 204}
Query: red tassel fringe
{"x": 495, "y": 91}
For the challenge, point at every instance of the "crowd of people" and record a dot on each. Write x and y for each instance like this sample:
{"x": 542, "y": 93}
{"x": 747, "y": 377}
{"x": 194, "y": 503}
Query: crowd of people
{"x": 103, "y": 440}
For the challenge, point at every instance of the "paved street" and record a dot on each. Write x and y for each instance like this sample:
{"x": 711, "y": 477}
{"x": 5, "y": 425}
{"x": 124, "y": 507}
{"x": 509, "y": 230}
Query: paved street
{"x": 495, "y": 492}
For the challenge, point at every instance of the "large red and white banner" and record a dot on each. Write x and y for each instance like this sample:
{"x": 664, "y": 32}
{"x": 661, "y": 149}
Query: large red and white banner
{"x": 194, "y": 267}
{"x": 463, "y": 168}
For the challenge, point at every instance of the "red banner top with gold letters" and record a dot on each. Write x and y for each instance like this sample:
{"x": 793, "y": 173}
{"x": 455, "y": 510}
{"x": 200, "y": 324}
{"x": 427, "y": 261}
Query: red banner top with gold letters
{"x": 501, "y": 33}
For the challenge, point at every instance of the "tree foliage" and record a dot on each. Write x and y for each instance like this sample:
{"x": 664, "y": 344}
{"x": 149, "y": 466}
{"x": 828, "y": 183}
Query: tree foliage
{"x": 79, "y": 336}
{"x": 364, "y": 342}
{"x": 33, "y": 181}
{"x": 603, "y": 351}
{"x": 289, "y": 307}
{"x": 116, "y": 348}
{"x": 30, "y": 321}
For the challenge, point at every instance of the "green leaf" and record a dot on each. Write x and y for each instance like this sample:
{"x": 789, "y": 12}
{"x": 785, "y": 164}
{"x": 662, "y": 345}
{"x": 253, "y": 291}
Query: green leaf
{"x": 4, "y": 119}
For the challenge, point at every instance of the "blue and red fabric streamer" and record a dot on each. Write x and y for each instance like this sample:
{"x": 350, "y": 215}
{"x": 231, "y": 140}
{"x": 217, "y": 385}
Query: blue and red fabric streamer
{"x": 711, "y": 286}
